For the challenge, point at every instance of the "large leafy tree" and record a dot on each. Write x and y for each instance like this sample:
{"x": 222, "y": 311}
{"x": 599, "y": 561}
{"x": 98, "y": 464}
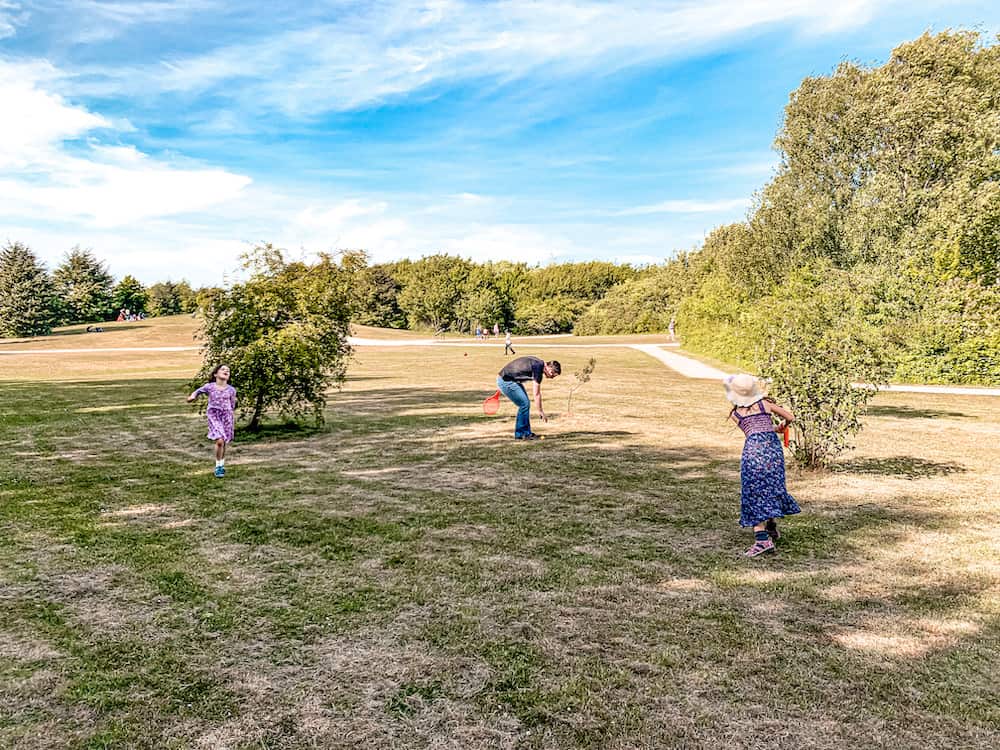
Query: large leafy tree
{"x": 84, "y": 288}
{"x": 164, "y": 299}
{"x": 27, "y": 298}
{"x": 892, "y": 175}
{"x": 283, "y": 333}
{"x": 433, "y": 290}
{"x": 376, "y": 299}
{"x": 130, "y": 294}
{"x": 172, "y": 298}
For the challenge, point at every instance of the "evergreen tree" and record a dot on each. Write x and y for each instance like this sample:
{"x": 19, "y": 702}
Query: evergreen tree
{"x": 164, "y": 298}
{"x": 27, "y": 301}
{"x": 84, "y": 288}
{"x": 130, "y": 295}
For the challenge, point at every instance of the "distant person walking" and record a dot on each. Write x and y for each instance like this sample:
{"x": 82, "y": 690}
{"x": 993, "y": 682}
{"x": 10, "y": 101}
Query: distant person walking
{"x": 763, "y": 497}
{"x": 510, "y": 380}
{"x": 221, "y": 405}
{"x": 479, "y": 332}
{"x": 507, "y": 346}
{"x": 496, "y": 329}
{"x": 672, "y": 328}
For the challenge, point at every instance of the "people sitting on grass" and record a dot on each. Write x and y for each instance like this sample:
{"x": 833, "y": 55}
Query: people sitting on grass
{"x": 763, "y": 496}
{"x": 510, "y": 382}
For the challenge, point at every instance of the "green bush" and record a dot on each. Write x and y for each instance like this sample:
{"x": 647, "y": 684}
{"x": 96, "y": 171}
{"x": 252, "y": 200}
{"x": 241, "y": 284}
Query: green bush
{"x": 815, "y": 348}
{"x": 283, "y": 334}
{"x": 547, "y": 316}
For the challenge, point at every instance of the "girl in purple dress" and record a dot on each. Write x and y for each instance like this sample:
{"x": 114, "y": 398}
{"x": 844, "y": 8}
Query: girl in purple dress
{"x": 221, "y": 405}
{"x": 763, "y": 497}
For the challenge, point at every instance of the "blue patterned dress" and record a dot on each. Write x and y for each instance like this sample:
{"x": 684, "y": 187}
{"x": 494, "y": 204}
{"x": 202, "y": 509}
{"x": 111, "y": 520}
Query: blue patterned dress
{"x": 762, "y": 470}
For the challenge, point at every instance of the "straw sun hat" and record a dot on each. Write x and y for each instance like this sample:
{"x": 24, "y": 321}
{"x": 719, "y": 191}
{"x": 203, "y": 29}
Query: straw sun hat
{"x": 743, "y": 389}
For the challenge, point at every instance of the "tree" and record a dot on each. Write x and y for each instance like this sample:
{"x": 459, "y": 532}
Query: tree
{"x": 482, "y": 306}
{"x": 890, "y": 174}
{"x": 187, "y": 298}
{"x": 27, "y": 298}
{"x": 582, "y": 377}
{"x": 433, "y": 288}
{"x": 376, "y": 299}
{"x": 283, "y": 334}
{"x": 816, "y": 349}
{"x": 83, "y": 287}
{"x": 544, "y": 316}
{"x": 165, "y": 298}
{"x": 130, "y": 295}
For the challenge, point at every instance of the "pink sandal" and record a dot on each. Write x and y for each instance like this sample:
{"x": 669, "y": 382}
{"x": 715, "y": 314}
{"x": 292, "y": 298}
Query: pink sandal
{"x": 760, "y": 548}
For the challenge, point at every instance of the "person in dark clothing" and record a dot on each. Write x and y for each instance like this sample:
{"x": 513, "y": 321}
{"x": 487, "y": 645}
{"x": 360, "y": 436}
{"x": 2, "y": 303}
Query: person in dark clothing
{"x": 510, "y": 382}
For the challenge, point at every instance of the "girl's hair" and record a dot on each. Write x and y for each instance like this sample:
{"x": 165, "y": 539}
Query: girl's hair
{"x": 216, "y": 371}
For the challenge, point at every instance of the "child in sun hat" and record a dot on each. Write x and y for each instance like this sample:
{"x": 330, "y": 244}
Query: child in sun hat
{"x": 221, "y": 405}
{"x": 763, "y": 497}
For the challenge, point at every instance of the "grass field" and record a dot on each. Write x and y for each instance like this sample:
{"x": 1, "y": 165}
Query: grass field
{"x": 410, "y": 577}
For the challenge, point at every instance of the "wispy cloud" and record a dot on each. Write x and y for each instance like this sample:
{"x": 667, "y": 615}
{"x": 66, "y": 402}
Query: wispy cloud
{"x": 11, "y": 16}
{"x": 53, "y": 163}
{"x": 686, "y": 206}
{"x": 374, "y": 53}
{"x": 90, "y": 21}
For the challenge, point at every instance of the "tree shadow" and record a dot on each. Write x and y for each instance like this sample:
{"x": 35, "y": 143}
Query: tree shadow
{"x": 115, "y": 328}
{"x": 907, "y": 467}
{"x": 278, "y": 431}
{"x": 908, "y": 412}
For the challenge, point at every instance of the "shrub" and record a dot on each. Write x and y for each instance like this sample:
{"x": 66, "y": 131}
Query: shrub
{"x": 283, "y": 333}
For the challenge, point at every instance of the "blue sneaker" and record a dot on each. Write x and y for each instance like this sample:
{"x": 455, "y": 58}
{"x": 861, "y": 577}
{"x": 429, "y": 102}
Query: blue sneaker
{"x": 220, "y": 471}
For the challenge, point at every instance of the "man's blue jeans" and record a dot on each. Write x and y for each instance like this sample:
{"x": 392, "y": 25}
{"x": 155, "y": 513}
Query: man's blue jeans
{"x": 516, "y": 393}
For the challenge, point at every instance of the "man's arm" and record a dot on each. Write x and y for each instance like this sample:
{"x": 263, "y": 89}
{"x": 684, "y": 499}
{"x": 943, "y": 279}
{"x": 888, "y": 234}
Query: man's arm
{"x": 538, "y": 400}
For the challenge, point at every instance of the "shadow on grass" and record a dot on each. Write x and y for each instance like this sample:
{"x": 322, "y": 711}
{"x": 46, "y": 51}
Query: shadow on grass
{"x": 907, "y": 467}
{"x": 80, "y": 331}
{"x": 277, "y": 431}
{"x": 410, "y": 518}
{"x": 908, "y": 412}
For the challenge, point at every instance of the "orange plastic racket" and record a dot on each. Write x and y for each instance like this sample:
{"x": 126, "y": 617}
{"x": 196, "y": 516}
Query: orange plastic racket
{"x": 491, "y": 405}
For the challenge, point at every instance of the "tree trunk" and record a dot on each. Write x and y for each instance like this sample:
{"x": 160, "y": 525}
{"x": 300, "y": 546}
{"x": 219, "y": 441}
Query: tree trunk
{"x": 258, "y": 409}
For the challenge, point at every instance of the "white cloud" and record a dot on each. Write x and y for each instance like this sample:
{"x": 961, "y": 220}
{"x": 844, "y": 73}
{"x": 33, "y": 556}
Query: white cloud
{"x": 40, "y": 119}
{"x": 390, "y": 233}
{"x": 686, "y": 206}
{"x": 50, "y": 172}
{"x": 10, "y": 17}
{"x": 375, "y": 52}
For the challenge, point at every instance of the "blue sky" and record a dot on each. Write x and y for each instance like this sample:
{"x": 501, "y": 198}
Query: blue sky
{"x": 168, "y": 135}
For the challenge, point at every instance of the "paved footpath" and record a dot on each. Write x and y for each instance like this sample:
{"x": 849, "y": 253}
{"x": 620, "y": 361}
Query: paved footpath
{"x": 686, "y": 366}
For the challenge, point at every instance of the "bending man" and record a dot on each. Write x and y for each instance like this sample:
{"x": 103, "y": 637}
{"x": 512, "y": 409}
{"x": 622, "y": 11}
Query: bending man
{"x": 510, "y": 380}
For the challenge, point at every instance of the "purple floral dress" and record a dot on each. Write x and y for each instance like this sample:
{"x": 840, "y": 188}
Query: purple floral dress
{"x": 762, "y": 471}
{"x": 221, "y": 403}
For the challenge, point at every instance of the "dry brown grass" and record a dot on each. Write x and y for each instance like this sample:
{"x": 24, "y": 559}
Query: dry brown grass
{"x": 412, "y": 577}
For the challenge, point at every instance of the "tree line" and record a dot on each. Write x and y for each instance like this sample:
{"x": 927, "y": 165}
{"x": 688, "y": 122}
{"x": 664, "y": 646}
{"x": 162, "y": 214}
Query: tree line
{"x": 877, "y": 241}
{"x": 879, "y": 235}
{"x": 81, "y": 289}
{"x": 878, "y": 238}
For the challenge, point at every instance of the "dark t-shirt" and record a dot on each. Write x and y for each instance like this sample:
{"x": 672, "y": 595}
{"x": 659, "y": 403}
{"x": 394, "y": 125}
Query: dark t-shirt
{"x": 524, "y": 369}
